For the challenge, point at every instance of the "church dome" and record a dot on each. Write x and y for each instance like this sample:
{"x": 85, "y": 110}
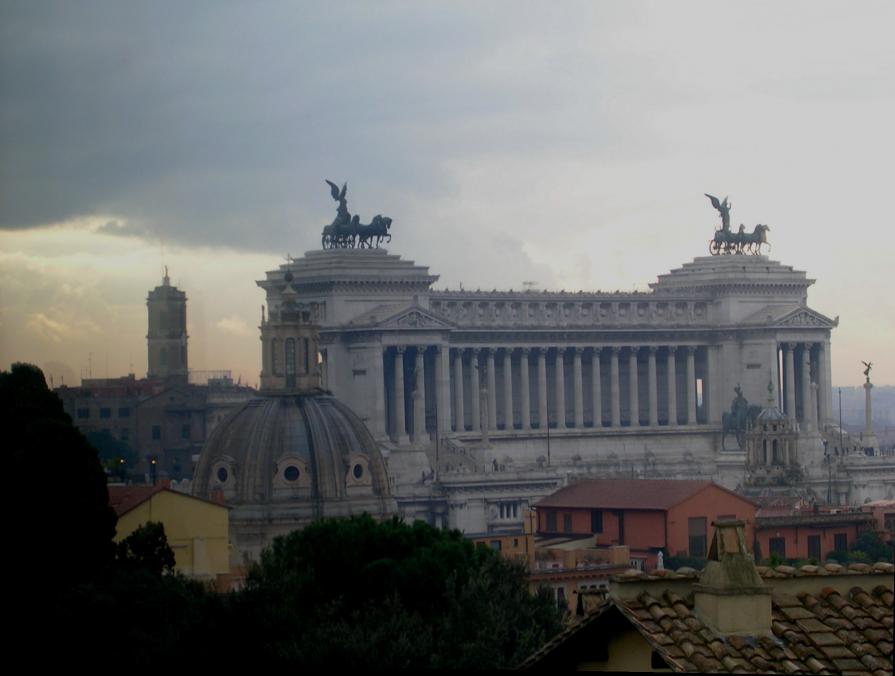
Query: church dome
{"x": 282, "y": 460}
{"x": 771, "y": 414}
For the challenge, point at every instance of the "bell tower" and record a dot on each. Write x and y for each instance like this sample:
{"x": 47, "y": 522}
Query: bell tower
{"x": 167, "y": 338}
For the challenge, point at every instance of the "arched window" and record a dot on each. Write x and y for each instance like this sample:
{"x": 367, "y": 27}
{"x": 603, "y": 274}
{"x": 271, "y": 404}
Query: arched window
{"x": 305, "y": 353}
{"x": 274, "y": 365}
{"x": 776, "y": 453}
{"x": 764, "y": 452}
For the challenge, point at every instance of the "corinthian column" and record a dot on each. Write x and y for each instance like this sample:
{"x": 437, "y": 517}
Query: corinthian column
{"x": 633, "y": 394}
{"x": 653, "y": 388}
{"x": 691, "y": 385}
{"x": 524, "y": 401}
{"x": 476, "y": 386}
{"x": 578, "y": 387}
{"x": 806, "y": 386}
{"x": 508, "y": 388}
{"x": 400, "y": 426}
{"x": 823, "y": 392}
{"x": 596, "y": 386}
{"x": 492, "y": 391}
{"x": 543, "y": 422}
{"x": 672, "y": 385}
{"x": 419, "y": 396}
{"x": 790, "y": 383}
{"x": 459, "y": 413}
{"x": 560, "y": 388}
{"x": 443, "y": 388}
{"x": 614, "y": 389}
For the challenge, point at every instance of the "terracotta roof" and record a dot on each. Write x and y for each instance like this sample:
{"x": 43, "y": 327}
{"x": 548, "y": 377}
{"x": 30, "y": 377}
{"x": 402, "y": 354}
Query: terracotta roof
{"x": 125, "y": 498}
{"x": 812, "y": 633}
{"x": 657, "y": 494}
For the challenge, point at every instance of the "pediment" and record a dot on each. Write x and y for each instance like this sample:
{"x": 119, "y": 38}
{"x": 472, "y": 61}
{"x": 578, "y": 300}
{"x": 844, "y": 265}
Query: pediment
{"x": 415, "y": 317}
{"x": 407, "y": 317}
{"x": 808, "y": 318}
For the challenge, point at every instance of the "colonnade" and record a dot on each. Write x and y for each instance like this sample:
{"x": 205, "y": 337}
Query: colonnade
{"x": 805, "y": 383}
{"x": 529, "y": 388}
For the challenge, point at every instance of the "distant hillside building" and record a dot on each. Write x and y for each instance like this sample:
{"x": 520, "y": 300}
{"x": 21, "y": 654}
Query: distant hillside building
{"x": 164, "y": 418}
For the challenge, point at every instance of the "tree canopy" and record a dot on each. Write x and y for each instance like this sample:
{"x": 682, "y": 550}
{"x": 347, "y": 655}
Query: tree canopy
{"x": 58, "y": 475}
{"x": 354, "y": 592}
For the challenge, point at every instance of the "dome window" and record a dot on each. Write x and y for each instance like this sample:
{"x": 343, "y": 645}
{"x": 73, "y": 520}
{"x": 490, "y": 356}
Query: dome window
{"x": 358, "y": 471}
{"x": 223, "y": 474}
{"x": 291, "y": 473}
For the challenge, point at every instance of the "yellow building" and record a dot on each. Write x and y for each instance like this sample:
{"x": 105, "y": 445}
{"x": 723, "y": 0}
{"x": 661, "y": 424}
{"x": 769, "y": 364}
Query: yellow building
{"x": 198, "y": 530}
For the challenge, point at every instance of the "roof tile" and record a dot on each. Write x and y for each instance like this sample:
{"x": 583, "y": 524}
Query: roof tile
{"x": 654, "y": 494}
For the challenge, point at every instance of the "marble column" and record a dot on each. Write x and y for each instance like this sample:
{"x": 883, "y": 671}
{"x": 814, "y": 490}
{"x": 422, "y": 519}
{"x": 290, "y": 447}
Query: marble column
{"x": 633, "y": 393}
{"x": 691, "y": 385}
{"x": 492, "y": 390}
{"x": 596, "y": 389}
{"x": 543, "y": 422}
{"x": 508, "y": 388}
{"x": 614, "y": 389}
{"x": 443, "y": 387}
{"x": 671, "y": 367}
{"x": 653, "y": 388}
{"x": 790, "y": 379}
{"x": 806, "y": 386}
{"x": 475, "y": 390}
{"x": 578, "y": 386}
{"x": 459, "y": 413}
{"x": 560, "y": 383}
{"x": 419, "y": 396}
{"x": 400, "y": 426}
{"x": 524, "y": 392}
{"x": 823, "y": 390}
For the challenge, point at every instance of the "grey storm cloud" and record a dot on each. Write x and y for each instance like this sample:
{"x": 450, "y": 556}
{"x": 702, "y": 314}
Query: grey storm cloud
{"x": 216, "y": 123}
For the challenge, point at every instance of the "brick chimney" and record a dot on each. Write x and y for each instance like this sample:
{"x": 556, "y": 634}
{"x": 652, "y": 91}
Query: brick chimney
{"x": 731, "y": 597}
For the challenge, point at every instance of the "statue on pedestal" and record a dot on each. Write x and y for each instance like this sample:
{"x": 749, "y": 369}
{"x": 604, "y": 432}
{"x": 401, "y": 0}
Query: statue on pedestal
{"x": 726, "y": 241}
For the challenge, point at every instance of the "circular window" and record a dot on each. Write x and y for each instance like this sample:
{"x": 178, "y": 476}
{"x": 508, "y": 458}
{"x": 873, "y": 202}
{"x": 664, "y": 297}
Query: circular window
{"x": 358, "y": 471}
{"x": 292, "y": 473}
{"x": 289, "y": 276}
{"x": 223, "y": 475}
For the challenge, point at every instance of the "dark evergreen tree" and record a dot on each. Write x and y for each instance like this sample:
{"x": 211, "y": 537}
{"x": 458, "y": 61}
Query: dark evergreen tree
{"x": 356, "y": 592}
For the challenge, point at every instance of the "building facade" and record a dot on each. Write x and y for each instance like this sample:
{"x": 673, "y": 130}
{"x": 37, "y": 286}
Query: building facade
{"x": 488, "y": 400}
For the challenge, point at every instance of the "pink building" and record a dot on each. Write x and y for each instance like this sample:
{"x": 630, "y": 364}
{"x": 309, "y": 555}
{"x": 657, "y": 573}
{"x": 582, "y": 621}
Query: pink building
{"x": 644, "y": 514}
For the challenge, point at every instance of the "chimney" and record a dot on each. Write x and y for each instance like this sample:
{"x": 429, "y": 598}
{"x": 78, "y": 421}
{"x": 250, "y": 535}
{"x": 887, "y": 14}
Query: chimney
{"x": 731, "y": 597}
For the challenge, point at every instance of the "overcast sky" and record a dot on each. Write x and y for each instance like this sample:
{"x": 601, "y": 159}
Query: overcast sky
{"x": 565, "y": 143}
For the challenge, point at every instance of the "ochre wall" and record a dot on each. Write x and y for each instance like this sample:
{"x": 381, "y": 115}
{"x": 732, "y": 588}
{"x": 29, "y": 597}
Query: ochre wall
{"x": 197, "y": 531}
{"x": 711, "y": 502}
{"x": 796, "y": 538}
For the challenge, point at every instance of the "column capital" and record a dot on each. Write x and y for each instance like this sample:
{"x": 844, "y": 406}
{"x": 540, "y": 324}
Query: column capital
{"x": 653, "y": 349}
{"x": 691, "y": 349}
{"x": 525, "y": 351}
{"x": 577, "y": 350}
{"x": 790, "y": 346}
{"x": 508, "y": 351}
{"x": 560, "y": 350}
{"x": 597, "y": 349}
{"x": 634, "y": 349}
{"x": 400, "y": 349}
{"x": 475, "y": 351}
{"x": 615, "y": 350}
{"x": 672, "y": 348}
